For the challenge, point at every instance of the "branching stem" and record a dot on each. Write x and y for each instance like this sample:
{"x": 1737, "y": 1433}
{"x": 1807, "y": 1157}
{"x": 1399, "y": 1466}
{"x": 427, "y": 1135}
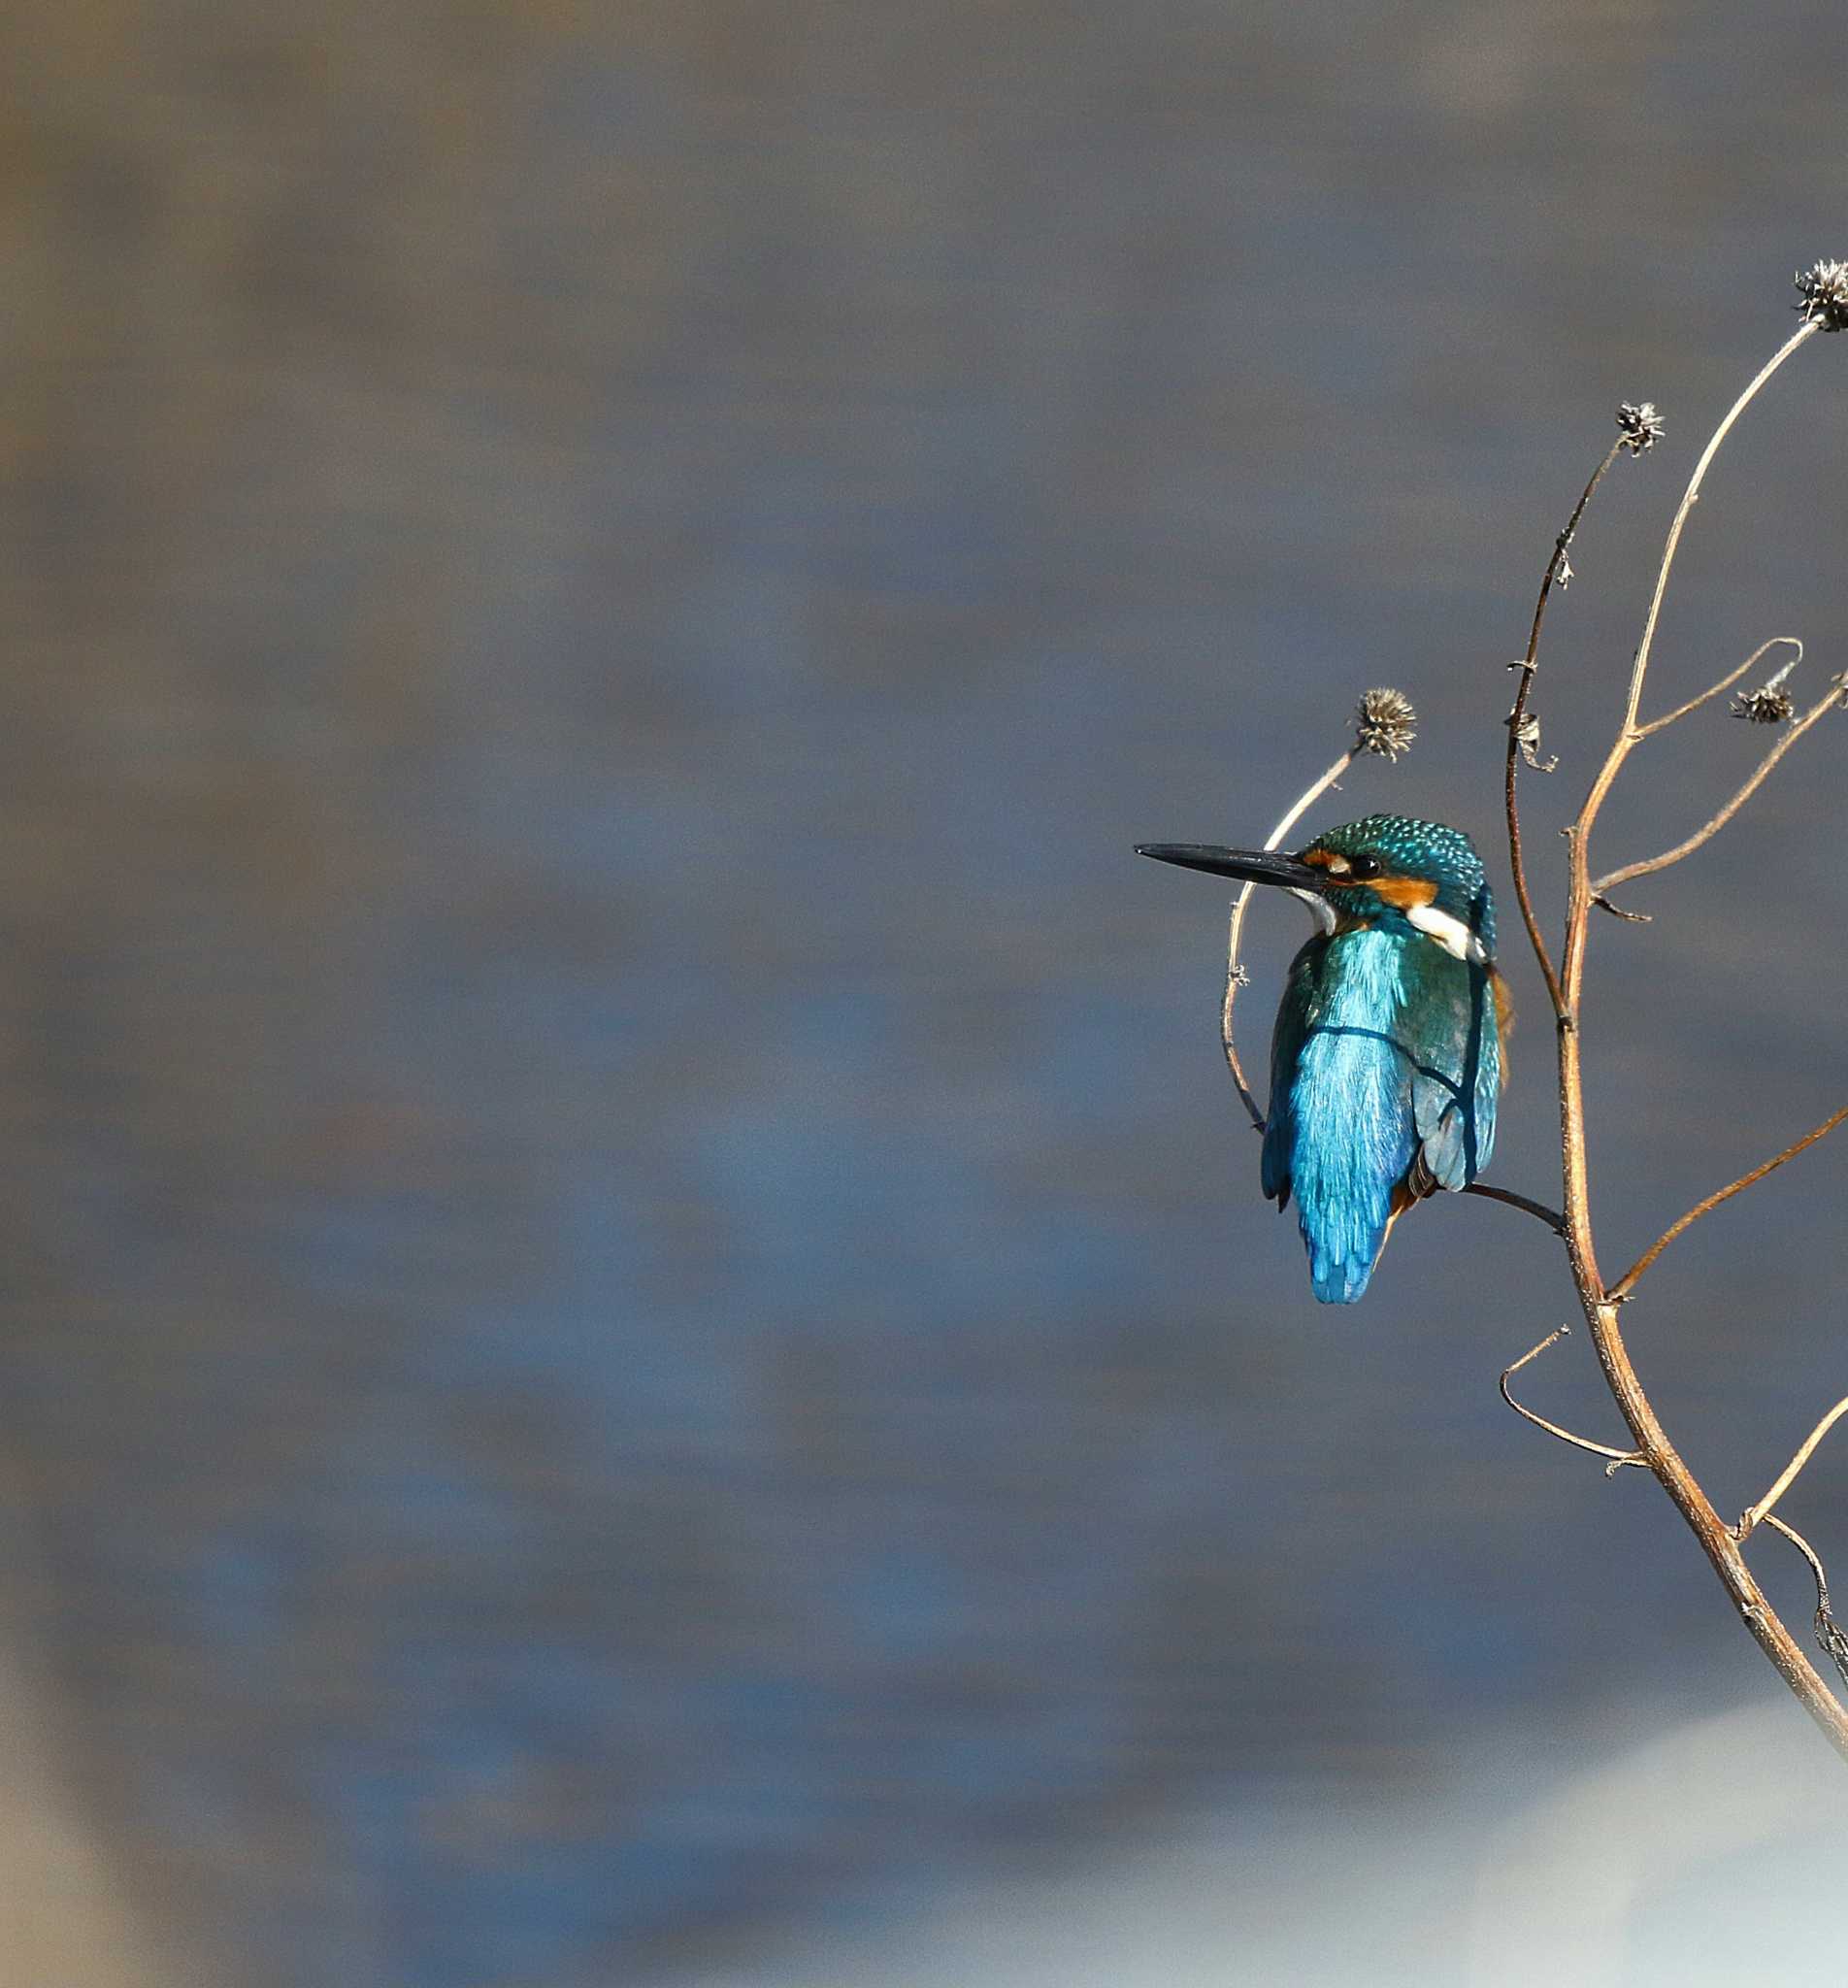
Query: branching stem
{"x": 1836, "y": 695}
{"x": 1600, "y": 1311}
{"x": 1725, "y": 683}
{"x": 1690, "y": 498}
{"x": 1618, "y": 1457}
{"x": 1755, "y": 1514}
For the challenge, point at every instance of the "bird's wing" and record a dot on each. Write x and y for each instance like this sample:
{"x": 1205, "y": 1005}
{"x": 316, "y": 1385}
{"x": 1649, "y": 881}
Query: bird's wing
{"x": 1286, "y": 1054}
{"x": 1456, "y": 1073}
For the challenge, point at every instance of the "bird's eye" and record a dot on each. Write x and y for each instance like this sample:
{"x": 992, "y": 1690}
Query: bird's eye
{"x": 1364, "y": 866}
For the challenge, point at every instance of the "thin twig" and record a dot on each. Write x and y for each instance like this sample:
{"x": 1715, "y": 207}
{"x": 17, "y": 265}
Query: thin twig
{"x": 1837, "y": 695}
{"x": 1828, "y": 1632}
{"x": 1809, "y": 1553}
{"x": 1725, "y": 683}
{"x": 1553, "y": 1219}
{"x": 1618, "y": 1457}
{"x": 1755, "y": 1514}
{"x": 1628, "y": 732}
{"x": 1627, "y": 1283}
{"x": 1235, "y": 966}
{"x": 1690, "y": 498}
{"x": 1527, "y": 666}
{"x": 1605, "y": 903}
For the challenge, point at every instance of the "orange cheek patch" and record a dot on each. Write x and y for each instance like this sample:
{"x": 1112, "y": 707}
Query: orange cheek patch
{"x": 1406, "y": 892}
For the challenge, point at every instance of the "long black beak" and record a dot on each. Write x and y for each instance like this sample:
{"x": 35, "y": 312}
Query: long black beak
{"x": 1249, "y": 866}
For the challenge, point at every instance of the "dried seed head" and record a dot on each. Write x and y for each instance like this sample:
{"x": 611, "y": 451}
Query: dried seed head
{"x": 1821, "y": 291}
{"x": 1768, "y": 705}
{"x": 1384, "y": 723}
{"x": 1641, "y": 426}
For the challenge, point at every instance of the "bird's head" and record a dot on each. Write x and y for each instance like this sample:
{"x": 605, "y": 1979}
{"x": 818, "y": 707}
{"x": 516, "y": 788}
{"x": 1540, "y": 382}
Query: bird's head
{"x": 1385, "y": 869}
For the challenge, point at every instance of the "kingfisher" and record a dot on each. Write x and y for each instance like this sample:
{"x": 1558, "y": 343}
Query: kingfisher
{"x": 1387, "y": 1055}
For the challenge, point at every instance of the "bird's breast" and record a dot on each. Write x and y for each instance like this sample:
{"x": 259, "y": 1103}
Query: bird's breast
{"x": 1362, "y": 978}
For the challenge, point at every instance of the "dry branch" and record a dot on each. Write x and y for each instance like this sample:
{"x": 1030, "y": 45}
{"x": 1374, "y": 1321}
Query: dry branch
{"x": 1520, "y": 721}
{"x": 1627, "y": 1283}
{"x": 1618, "y": 1457}
{"x": 1725, "y": 683}
{"x": 1824, "y": 307}
{"x": 1755, "y": 1514}
{"x": 1836, "y": 695}
{"x": 1828, "y": 1633}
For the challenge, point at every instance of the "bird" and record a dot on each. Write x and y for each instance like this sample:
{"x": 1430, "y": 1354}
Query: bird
{"x": 1387, "y": 1057}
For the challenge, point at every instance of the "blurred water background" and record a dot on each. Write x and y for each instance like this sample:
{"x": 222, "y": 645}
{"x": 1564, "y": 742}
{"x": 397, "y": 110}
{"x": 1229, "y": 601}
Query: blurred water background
{"x": 640, "y": 1345}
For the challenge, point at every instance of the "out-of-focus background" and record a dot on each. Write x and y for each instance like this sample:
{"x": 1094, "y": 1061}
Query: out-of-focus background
{"x": 640, "y": 1344}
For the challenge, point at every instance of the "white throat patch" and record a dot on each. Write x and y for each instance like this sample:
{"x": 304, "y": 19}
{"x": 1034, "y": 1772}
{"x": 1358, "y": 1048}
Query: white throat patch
{"x": 1449, "y": 932}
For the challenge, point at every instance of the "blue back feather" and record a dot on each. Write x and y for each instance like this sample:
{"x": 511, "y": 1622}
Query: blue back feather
{"x": 1387, "y": 1053}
